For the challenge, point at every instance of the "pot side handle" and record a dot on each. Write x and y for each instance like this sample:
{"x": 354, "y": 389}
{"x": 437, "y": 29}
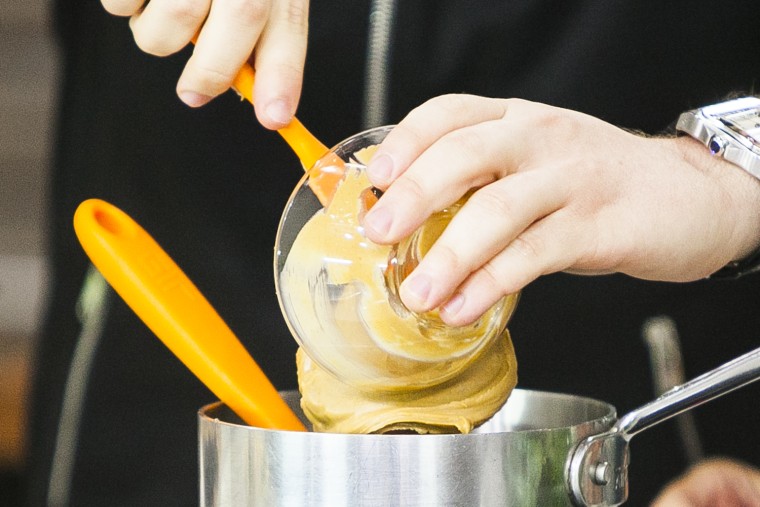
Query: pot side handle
{"x": 598, "y": 467}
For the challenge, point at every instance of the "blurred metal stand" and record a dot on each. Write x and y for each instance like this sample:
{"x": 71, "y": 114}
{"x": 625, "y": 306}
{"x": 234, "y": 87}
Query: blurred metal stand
{"x": 92, "y": 309}
{"x": 377, "y": 69}
{"x": 666, "y": 362}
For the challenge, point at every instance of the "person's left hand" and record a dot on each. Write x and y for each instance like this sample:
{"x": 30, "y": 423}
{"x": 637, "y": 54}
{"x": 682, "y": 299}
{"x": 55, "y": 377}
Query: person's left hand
{"x": 269, "y": 34}
{"x": 713, "y": 483}
{"x": 557, "y": 191}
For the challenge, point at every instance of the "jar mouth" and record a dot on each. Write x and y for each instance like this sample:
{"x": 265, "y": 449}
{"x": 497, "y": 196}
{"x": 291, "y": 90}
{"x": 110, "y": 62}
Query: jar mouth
{"x": 405, "y": 256}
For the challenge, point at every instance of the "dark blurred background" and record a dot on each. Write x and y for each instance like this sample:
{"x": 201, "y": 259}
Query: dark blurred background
{"x": 28, "y": 77}
{"x": 28, "y": 85}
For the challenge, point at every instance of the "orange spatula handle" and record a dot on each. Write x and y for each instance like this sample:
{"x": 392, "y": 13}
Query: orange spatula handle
{"x": 325, "y": 177}
{"x": 307, "y": 148}
{"x": 174, "y": 309}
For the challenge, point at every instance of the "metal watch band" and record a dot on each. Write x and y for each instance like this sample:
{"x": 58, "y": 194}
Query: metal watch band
{"x": 730, "y": 130}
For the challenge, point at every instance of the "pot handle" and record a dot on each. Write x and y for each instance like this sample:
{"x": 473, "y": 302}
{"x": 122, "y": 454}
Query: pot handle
{"x": 598, "y": 468}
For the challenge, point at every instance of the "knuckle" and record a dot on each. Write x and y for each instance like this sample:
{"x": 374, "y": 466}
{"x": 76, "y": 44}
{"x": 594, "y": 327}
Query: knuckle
{"x": 297, "y": 14}
{"x": 542, "y": 116}
{"x": 489, "y": 278}
{"x": 513, "y": 106}
{"x": 453, "y": 103}
{"x": 287, "y": 70}
{"x": 527, "y": 246}
{"x": 449, "y": 260}
{"x": 410, "y": 188}
{"x": 443, "y": 106}
{"x": 480, "y": 298}
{"x": 505, "y": 277}
{"x": 492, "y": 284}
{"x": 559, "y": 122}
{"x": 467, "y": 144}
{"x": 248, "y": 12}
{"x": 167, "y": 27}
{"x": 493, "y": 204}
{"x": 209, "y": 80}
{"x": 189, "y": 11}
{"x": 410, "y": 130}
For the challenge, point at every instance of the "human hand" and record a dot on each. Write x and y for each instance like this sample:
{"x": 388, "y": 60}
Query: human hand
{"x": 558, "y": 191}
{"x": 269, "y": 33}
{"x": 714, "y": 483}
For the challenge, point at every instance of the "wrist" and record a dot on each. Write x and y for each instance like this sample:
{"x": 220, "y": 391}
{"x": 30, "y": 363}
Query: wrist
{"x": 737, "y": 202}
{"x": 730, "y": 133}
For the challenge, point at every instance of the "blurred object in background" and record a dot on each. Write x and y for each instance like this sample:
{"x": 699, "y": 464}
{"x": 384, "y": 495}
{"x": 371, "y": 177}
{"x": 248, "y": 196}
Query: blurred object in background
{"x": 666, "y": 361}
{"x": 28, "y": 83}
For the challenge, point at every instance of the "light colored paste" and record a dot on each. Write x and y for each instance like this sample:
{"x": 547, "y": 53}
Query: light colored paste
{"x": 368, "y": 364}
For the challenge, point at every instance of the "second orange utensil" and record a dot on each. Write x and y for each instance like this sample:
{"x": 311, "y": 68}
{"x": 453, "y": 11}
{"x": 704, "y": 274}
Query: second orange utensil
{"x": 174, "y": 309}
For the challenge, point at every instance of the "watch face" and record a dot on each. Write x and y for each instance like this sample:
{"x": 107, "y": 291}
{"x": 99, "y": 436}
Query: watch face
{"x": 746, "y": 123}
{"x": 728, "y": 129}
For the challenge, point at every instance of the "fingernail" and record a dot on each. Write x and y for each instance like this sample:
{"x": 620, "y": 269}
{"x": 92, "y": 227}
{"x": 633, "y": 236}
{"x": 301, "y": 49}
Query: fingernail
{"x": 378, "y": 220}
{"x": 417, "y": 286}
{"x": 453, "y": 305}
{"x": 380, "y": 169}
{"x": 194, "y": 99}
{"x": 279, "y": 112}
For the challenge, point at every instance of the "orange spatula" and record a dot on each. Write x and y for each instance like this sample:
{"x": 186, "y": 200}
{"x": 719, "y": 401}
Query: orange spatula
{"x": 174, "y": 309}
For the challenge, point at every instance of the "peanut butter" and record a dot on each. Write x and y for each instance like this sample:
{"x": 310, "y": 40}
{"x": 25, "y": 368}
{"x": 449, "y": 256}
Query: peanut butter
{"x": 367, "y": 364}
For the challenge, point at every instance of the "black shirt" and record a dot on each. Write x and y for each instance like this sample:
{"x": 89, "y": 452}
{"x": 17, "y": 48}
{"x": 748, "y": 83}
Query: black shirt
{"x": 209, "y": 185}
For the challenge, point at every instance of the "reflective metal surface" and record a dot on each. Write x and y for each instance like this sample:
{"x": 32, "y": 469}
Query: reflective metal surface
{"x": 540, "y": 449}
{"x": 517, "y": 458}
{"x": 609, "y": 450}
{"x": 666, "y": 360}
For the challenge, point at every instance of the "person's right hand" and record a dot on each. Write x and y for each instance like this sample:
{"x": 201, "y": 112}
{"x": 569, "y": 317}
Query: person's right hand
{"x": 714, "y": 483}
{"x": 554, "y": 190}
{"x": 271, "y": 34}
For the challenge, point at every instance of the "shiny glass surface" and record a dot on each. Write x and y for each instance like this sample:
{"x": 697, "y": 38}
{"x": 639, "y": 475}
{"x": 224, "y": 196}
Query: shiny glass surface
{"x": 339, "y": 291}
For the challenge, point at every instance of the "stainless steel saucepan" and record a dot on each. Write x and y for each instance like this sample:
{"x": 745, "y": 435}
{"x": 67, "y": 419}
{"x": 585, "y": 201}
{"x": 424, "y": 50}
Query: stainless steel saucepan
{"x": 541, "y": 448}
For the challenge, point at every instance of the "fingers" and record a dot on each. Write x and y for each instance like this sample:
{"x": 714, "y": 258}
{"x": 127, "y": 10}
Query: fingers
{"x": 163, "y": 27}
{"x": 224, "y": 44}
{"x": 279, "y": 61}
{"x": 440, "y": 151}
{"x": 547, "y": 246}
{"x": 425, "y": 125}
{"x": 228, "y": 33}
{"x": 465, "y": 158}
{"x": 560, "y": 191}
{"x": 496, "y": 242}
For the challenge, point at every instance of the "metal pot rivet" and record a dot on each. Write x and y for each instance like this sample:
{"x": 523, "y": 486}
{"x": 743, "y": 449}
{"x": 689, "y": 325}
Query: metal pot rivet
{"x": 601, "y": 473}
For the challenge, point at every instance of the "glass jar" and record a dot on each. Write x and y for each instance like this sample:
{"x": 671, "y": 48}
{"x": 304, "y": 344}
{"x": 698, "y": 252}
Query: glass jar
{"x": 338, "y": 291}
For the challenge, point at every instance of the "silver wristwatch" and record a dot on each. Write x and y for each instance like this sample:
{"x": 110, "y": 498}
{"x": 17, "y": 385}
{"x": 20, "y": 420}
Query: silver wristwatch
{"x": 730, "y": 130}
